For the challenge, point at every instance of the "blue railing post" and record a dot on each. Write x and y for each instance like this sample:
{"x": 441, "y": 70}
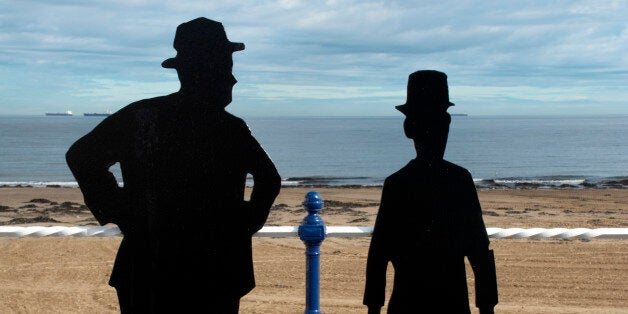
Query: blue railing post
{"x": 312, "y": 233}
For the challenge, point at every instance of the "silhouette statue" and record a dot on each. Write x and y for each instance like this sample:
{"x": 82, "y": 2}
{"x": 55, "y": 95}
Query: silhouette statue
{"x": 429, "y": 219}
{"x": 182, "y": 211}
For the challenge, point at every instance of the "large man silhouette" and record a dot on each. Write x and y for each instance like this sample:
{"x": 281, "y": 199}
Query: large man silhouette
{"x": 429, "y": 219}
{"x": 184, "y": 160}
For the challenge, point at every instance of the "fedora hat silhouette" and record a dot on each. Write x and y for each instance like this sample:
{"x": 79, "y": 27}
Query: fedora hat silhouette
{"x": 427, "y": 93}
{"x": 199, "y": 41}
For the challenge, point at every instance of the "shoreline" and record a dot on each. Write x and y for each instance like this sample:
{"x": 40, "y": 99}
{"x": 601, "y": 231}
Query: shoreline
{"x": 543, "y": 182}
{"x": 356, "y": 206}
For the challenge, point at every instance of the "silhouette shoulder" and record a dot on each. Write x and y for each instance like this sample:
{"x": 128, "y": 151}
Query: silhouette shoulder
{"x": 411, "y": 172}
{"x": 148, "y": 103}
{"x": 454, "y": 167}
{"x": 235, "y": 122}
{"x": 398, "y": 175}
{"x": 232, "y": 118}
{"x": 457, "y": 171}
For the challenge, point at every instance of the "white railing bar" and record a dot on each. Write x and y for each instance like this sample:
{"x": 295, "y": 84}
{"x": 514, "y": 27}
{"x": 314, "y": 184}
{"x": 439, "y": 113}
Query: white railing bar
{"x": 331, "y": 231}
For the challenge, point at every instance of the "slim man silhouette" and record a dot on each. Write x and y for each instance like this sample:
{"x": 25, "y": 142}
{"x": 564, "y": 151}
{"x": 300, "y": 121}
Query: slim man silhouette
{"x": 184, "y": 160}
{"x": 429, "y": 219}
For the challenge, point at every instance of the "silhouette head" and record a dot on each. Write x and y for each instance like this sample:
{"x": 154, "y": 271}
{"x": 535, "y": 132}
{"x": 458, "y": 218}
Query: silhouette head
{"x": 427, "y": 120}
{"x": 204, "y": 60}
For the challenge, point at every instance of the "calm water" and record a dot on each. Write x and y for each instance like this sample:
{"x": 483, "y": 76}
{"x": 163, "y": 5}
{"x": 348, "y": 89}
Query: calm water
{"x": 551, "y": 150}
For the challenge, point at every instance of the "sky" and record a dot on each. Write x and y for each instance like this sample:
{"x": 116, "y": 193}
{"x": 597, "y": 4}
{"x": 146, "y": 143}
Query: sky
{"x": 322, "y": 58}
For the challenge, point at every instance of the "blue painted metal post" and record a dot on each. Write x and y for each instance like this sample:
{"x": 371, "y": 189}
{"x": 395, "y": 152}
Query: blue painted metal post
{"x": 312, "y": 233}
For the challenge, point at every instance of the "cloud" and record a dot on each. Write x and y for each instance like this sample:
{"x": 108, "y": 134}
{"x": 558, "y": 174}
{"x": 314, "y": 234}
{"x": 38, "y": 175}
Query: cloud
{"x": 116, "y": 91}
{"x": 317, "y": 92}
{"x": 300, "y": 52}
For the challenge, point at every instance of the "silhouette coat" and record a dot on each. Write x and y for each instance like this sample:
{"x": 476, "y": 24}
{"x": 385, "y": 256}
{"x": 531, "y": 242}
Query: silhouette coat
{"x": 184, "y": 160}
{"x": 429, "y": 219}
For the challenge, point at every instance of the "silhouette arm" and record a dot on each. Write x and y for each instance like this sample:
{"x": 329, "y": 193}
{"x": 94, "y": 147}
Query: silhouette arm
{"x": 89, "y": 159}
{"x": 480, "y": 257}
{"x": 378, "y": 257}
{"x": 266, "y": 184}
{"x": 483, "y": 266}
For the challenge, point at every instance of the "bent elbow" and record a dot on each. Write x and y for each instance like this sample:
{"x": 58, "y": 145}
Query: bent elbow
{"x": 71, "y": 156}
{"x": 74, "y": 155}
{"x": 276, "y": 179}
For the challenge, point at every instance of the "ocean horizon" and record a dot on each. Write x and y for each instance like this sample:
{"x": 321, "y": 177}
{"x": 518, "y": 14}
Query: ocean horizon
{"x": 548, "y": 151}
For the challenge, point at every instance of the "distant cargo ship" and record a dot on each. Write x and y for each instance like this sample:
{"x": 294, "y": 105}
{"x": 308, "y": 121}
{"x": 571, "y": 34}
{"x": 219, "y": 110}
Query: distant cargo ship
{"x": 97, "y": 114}
{"x": 458, "y": 114}
{"x": 67, "y": 113}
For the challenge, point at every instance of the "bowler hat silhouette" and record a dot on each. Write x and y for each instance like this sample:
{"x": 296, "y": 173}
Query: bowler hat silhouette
{"x": 427, "y": 93}
{"x": 200, "y": 40}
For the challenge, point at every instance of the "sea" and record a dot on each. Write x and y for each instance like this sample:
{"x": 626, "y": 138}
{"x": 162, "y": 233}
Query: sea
{"x": 499, "y": 151}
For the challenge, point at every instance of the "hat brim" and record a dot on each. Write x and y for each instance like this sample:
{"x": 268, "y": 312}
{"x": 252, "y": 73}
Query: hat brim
{"x": 406, "y": 109}
{"x": 172, "y": 63}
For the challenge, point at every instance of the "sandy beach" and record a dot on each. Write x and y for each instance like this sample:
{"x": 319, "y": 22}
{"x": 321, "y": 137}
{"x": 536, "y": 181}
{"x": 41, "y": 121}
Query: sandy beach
{"x": 69, "y": 274}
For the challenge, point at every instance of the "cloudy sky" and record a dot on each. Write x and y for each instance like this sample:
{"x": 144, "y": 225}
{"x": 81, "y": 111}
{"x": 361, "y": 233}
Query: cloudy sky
{"x": 322, "y": 57}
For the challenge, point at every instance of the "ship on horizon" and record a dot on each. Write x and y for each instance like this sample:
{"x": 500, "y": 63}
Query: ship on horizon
{"x": 67, "y": 113}
{"x": 97, "y": 114}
